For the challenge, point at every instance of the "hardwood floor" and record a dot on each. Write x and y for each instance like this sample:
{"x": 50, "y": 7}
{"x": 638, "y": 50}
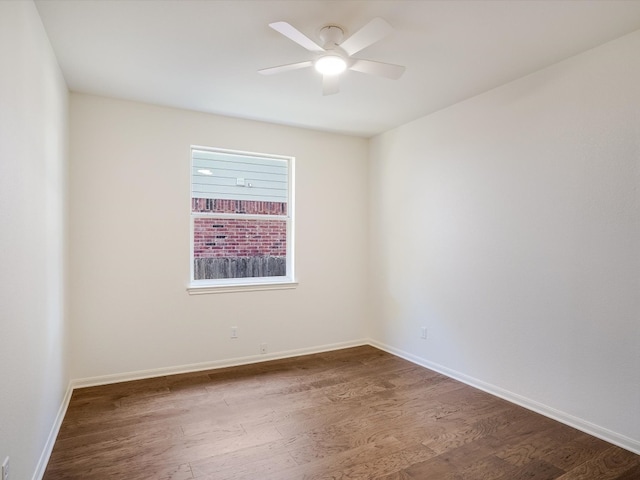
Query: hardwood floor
{"x": 358, "y": 413}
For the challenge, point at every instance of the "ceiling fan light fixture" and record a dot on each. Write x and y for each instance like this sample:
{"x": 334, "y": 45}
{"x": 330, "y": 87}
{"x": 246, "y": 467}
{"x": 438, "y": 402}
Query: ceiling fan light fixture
{"x": 335, "y": 55}
{"x": 331, "y": 65}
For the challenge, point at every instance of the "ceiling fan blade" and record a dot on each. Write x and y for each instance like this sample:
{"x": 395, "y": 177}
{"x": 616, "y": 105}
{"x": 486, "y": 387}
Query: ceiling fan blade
{"x": 330, "y": 84}
{"x": 285, "y": 68}
{"x": 387, "y": 70}
{"x": 373, "y": 31}
{"x": 296, "y": 35}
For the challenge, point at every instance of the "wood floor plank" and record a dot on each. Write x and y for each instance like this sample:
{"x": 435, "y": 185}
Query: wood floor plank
{"x": 379, "y": 466}
{"x": 273, "y": 456}
{"x": 537, "y": 445}
{"x": 535, "y": 470}
{"x": 607, "y": 465}
{"x": 255, "y": 469}
{"x": 327, "y": 462}
{"x": 632, "y": 474}
{"x": 357, "y": 413}
{"x": 486, "y": 468}
{"x": 401, "y": 475}
{"x": 576, "y": 451}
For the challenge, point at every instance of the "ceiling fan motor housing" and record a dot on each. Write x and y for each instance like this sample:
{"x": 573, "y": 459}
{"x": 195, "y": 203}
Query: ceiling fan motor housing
{"x": 331, "y": 36}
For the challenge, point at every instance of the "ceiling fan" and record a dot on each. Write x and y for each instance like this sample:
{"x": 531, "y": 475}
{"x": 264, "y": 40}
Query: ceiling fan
{"x": 335, "y": 55}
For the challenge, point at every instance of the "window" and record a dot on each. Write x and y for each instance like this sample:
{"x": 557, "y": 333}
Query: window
{"x": 241, "y": 219}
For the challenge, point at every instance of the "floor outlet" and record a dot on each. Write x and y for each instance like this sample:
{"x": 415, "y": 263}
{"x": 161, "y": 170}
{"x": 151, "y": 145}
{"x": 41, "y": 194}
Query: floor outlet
{"x": 263, "y": 348}
{"x": 423, "y": 333}
{"x": 234, "y": 334}
{"x": 5, "y": 469}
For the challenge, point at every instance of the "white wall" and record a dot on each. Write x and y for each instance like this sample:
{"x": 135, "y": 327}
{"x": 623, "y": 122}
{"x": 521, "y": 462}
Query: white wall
{"x": 33, "y": 143}
{"x": 129, "y": 241}
{"x": 509, "y": 225}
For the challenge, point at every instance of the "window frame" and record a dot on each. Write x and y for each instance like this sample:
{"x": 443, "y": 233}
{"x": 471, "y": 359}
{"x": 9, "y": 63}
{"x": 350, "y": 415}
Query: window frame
{"x": 287, "y": 281}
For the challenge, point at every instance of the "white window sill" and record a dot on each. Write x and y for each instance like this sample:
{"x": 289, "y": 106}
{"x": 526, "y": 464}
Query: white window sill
{"x": 241, "y": 287}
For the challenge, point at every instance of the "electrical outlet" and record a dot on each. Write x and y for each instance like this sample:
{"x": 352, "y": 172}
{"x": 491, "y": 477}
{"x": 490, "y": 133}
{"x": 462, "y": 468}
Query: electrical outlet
{"x": 263, "y": 348}
{"x": 423, "y": 333}
{"x": 5, "y": 469}
{"x": 234, "y": 334}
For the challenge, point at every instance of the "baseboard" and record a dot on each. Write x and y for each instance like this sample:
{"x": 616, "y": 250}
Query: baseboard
{"x": 587, "y": 427}
{"x": 197, "y": 367}
{"x": 53, "y": 434}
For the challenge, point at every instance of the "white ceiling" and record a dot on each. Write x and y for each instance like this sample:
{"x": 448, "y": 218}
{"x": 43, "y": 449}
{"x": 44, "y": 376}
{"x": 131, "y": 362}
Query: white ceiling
{"x": 204, "y": 55}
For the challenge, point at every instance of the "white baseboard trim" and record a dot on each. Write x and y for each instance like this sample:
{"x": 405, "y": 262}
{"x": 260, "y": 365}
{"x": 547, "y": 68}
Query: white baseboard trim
{"x": 587, "y": 427}
{"x": 53, "y": 434}
{"x": 197, "y": 367}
